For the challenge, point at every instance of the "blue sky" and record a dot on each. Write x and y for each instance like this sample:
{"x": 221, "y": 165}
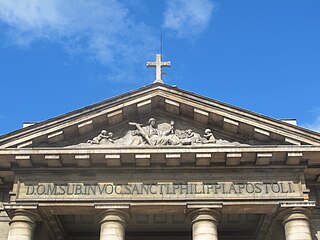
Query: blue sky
{"x": 57, "y": 56}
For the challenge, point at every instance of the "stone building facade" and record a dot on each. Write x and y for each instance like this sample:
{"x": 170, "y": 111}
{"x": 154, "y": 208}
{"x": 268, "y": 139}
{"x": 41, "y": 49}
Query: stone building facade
{"x": 160, "y": 163}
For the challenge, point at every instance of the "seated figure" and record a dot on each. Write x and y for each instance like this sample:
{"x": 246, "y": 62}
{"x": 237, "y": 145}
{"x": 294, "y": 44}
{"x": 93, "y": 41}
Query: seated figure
{"x": 103, "y": 138}
{"x": 208, "y": 136}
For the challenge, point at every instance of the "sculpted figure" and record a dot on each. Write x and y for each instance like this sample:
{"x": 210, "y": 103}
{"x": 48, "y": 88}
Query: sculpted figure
{"x": 110, "y": 137}
{"x": 189, "y": 137}
{"x": 103, "y": 138}
{"x": 170, "y": 137}
{"x": 152, "y": 131}
{"x": 97, "y": 139}
{"x": 149, "y": 133}
{"x": 108, "y": 140}
{"x": 208, "y": 136}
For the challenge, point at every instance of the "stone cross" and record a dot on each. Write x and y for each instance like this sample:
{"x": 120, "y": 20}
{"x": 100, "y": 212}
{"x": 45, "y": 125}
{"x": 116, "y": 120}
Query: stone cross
{"x": 158, "y": 64}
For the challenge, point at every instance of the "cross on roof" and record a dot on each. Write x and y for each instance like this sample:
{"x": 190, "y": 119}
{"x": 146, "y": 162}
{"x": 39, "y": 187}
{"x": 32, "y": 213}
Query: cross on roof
{"x": 158, "y": 64}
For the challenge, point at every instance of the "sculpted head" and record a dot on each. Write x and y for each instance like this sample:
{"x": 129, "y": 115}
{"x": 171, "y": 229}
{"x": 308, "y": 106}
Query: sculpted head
{"x": 189, "y": 131}
{"x": 207, "y": 131}
{"x": 110, "y": 135}
{"x": 104, "y": 132}
{"x": 152, "y": 122}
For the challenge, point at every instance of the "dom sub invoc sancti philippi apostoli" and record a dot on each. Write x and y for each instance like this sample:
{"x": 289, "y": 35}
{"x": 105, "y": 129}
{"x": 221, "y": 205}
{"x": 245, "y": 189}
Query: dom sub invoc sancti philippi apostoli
{"x": 160, "y": 163}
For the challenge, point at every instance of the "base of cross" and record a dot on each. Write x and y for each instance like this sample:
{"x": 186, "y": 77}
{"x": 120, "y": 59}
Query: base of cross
{"x": 158, "y": 81}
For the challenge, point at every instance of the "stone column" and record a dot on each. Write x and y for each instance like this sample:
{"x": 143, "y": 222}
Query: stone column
{"x": 204, "y": 224}
{"x": 113, "y": 224}
{"x": 22, "y": 225}
{"x": 296, "y": 224}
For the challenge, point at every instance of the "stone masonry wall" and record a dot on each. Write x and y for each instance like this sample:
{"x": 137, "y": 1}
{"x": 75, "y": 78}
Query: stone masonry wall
{"x": 4, "y": 219}
{"x": 315, "y": 217}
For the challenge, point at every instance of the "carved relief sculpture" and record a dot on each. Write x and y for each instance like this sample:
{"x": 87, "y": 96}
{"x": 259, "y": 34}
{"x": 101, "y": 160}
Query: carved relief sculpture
{"x": 208, "y": 136}
{"x": 150, "y": 134}
{"x": 103, "y": 138}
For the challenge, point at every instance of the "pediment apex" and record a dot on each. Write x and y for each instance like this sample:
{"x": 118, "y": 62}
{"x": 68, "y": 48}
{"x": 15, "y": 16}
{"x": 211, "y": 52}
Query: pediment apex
{"x": 158, "y": 97}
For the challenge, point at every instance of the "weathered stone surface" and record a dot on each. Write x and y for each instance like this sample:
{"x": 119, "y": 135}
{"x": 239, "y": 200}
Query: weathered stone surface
{"x": 214, "y": 191}
{"x": 296, "y": 224}
{"x": 4, "y": 225}
{"x": 164, "y": 134}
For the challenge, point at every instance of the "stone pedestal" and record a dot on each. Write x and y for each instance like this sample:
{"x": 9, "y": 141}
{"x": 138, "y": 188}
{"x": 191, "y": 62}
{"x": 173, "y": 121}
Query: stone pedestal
{"x": 113, "y": 224}
{"x": 204, "y": 224}
{"x": 22, "y": 225}
{"x": 296, "y": 224}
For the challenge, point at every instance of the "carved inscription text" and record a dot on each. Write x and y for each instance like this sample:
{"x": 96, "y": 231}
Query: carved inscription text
{"x": 170, "y": 191}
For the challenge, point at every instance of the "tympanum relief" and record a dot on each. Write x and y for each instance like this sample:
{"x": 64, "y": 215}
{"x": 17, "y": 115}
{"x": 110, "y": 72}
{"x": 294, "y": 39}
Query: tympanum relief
{"x": 153, "y": 134}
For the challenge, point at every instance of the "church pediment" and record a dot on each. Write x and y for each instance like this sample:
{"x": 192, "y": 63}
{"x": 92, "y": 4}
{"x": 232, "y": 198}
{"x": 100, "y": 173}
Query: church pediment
{"x": 182, "y": 118}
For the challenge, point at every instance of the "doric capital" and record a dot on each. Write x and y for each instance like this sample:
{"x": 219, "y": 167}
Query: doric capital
{"x": 114, "y": 215}
{"x": 296, "y": 213}
{"x": 23, "y": 215}
{"x": 205, "y": 214}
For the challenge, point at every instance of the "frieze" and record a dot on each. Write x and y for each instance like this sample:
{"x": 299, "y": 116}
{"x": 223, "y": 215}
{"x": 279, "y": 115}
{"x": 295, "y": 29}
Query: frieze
{"x": 160, "y": 191}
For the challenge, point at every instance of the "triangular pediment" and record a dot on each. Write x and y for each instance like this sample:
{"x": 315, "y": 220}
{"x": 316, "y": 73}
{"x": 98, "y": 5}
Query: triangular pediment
{"x": 188, "y": 111}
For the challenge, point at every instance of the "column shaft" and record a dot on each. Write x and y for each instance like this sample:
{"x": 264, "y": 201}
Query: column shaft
{"x": 296, "y": 225}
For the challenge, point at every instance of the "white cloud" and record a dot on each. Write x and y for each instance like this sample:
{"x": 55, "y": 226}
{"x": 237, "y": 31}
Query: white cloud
{"x": 315, "y": 125}
{"x": 103, "y": 30}
{"x": 188, "y": 18}
{"x": 106, "y": 31}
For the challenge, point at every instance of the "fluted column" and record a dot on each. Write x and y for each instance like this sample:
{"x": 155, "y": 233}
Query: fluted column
{"x": 296, "y": 224}
{"x": 22, "y": 225}
{"x": 204, "y": 224}
{"x": 113, "y": 224}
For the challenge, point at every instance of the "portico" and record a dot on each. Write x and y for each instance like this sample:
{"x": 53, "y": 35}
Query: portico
{"x": 120, "y": 222}
{"x": 199, "y": 202}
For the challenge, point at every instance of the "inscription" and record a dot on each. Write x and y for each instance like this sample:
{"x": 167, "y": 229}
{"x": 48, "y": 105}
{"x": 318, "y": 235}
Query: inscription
{"x": 162, "y": 191}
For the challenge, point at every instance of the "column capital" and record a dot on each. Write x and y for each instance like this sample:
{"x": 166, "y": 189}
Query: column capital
{"x": 295, "y": 213}
{"x": 24, "y": 215}
{"x": 205, "y": 214}
{"x": 114, "y": 215}
{"x": 22, "y": 224}
{"x": 205, "y": 221}
{"x": 113, "y": 222}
